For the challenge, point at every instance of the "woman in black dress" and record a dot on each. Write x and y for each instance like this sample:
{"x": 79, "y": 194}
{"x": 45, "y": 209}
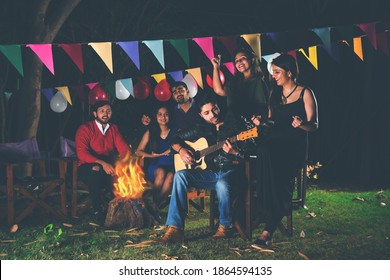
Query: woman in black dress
{"x": 282, "y": 152}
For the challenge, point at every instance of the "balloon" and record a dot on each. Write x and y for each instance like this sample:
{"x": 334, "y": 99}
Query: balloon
{"x": 58, "y": 103}
{"x": 209, "y": 80}
{"x": 141, "y": 90}
{"x": 162, "y": 91}
{"x": 191, "y": 84}
{"x": 120, "y": 91}
{"x": 97, "y": 94}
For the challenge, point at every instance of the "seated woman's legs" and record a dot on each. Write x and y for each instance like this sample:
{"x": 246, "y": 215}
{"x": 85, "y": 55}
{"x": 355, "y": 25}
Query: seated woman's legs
{"x": 162, "y": 184}
{"x": 167, "y": 185}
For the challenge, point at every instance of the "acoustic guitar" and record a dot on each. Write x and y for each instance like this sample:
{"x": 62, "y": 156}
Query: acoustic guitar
{"x": 200, "y": 148}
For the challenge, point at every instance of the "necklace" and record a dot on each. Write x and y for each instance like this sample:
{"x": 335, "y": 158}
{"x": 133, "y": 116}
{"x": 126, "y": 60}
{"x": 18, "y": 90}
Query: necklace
{"x": 284, "y": 98}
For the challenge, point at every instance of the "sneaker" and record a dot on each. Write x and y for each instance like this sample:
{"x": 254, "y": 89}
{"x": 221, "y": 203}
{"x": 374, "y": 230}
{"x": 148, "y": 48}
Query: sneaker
{"x": 172, "y": 235}
{"x": 223, "y": 232}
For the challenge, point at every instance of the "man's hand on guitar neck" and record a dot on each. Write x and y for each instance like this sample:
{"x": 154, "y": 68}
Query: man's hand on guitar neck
{"x": 228, "y": 148}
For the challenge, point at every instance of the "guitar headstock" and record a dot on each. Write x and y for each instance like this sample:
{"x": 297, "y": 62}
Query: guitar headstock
{"x": 247, "y": 134}
{"x": 248, "y": 124}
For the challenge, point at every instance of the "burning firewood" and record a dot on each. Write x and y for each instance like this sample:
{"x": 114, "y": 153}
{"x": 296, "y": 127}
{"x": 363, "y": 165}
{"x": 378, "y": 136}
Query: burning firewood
{"x": 133, "y": 204}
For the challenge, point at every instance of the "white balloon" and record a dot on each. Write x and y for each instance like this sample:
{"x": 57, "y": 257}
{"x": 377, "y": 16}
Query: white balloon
{"x": 120, "y": 91}
{"x": 191, "y": 85}
{"x": 58, "y": 103}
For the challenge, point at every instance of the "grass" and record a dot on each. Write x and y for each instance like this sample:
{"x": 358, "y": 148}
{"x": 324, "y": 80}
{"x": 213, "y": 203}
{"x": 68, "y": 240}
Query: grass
{"x": 343, "y": 228}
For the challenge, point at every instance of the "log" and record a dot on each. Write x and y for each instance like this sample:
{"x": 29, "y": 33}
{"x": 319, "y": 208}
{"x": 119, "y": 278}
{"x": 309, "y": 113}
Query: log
{"x": 131, "y": 213}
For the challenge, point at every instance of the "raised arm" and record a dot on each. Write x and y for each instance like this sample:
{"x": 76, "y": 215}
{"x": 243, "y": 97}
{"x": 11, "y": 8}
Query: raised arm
{"x": 217, "y": 83}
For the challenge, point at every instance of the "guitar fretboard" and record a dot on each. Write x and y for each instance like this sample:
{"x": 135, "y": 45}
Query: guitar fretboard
{"x": 216, "y": 146}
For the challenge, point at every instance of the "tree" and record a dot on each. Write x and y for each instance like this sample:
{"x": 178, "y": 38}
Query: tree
{"x": 48, "y": 16}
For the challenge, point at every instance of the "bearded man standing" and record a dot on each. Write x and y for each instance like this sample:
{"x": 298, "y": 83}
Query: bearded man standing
{"x": 185, "y": 114}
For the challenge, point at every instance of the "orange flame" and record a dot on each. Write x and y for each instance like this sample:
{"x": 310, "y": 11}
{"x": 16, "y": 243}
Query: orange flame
{"x": 131, "y": 178}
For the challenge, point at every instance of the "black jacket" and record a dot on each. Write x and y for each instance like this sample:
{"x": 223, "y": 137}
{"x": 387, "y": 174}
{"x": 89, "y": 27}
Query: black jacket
{"x": 218, "y": 160}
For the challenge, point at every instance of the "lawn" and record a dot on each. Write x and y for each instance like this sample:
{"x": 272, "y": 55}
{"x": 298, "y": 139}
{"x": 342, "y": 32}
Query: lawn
{"x": 337, "y": 224}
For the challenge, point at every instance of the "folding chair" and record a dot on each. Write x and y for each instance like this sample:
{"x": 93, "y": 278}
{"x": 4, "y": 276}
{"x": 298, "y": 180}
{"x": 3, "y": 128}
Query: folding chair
{"x": 199, "y": 194}
{"x": 36, "y": 190}
{"x": 245, "y": 229}
{"x": 68, "y": 152}
{"x": 300, "y": 185}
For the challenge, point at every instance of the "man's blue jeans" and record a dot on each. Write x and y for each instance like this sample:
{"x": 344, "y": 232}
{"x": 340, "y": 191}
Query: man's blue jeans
{"x": 220, "y": 181}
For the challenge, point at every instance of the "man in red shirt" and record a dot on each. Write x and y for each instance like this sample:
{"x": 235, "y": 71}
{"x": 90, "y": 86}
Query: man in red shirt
{"x": 97, "y": 144}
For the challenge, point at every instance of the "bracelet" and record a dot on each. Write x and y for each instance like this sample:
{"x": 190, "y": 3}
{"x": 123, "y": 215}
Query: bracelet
{"x": 178, "y": 151}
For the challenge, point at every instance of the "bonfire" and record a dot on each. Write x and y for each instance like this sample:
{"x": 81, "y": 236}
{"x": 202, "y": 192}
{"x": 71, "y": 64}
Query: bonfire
{"x": 133, "y": 204}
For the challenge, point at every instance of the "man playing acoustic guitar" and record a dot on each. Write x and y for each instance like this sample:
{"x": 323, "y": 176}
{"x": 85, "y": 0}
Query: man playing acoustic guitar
{"x": 221, "y": 172}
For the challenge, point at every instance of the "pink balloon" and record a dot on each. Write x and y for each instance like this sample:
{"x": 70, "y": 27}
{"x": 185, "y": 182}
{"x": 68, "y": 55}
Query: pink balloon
{"x": 162, "y": 91}
{"x": 141, "y": 90}
{"x": 209, "y": 80}
{"x": 96, "y": 94}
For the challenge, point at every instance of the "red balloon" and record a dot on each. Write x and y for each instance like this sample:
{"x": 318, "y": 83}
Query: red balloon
{"x": 141, "y": 90}
{"x": 209, "y": 80}
{"x": 162, "y": 91}
{"x": 96, "y": 94}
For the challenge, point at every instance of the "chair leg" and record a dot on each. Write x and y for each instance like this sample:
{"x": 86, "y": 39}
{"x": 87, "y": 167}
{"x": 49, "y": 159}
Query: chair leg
{"x": 202, "y": 204}
{"x": 74, "y": 189}
{"x": 10, "y": 195}
{"x": 212, "y": 211}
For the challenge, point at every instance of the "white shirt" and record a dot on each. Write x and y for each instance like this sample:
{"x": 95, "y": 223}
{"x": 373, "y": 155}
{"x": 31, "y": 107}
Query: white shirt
{"x": 100, "y": 126}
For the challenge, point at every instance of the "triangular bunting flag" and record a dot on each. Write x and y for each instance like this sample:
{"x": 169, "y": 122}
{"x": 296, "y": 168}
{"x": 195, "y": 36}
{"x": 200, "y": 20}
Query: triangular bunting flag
{"x": 279, "y": 38}
{"x": 358, "y": 47}
{"x": 269, "y": 59}
{"x": 230, "y": 43}
{"x": 7, "y": 95}
{"x": 293, "y": 53}
{"x": 253, "y": 41}
{"x": 197, "y": 74}
{"x": 381, "y": 39}
{"x": 74, "y": 51}
{"x": 159, "y": 77}
{"x": 369, "y": 30}
{"x": 206, "y": 44}
{"x": 312, "y": 57}
{"x": 324, "y": 34}
{"x": 177, "y": 75}
{"x": 104, "y": 50}
{"x": 157, "y": 48}
{"x": 65, "y": 91}
{"x": 181, "y": 47}
{"x": 230, "y": 67}
{"x": 45, "y": 54}
{"x": 48, "y": 93}
{"x": 14, "y": 54}
{"x": 92, "y": 85}
{"x": 132, "y": 50}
